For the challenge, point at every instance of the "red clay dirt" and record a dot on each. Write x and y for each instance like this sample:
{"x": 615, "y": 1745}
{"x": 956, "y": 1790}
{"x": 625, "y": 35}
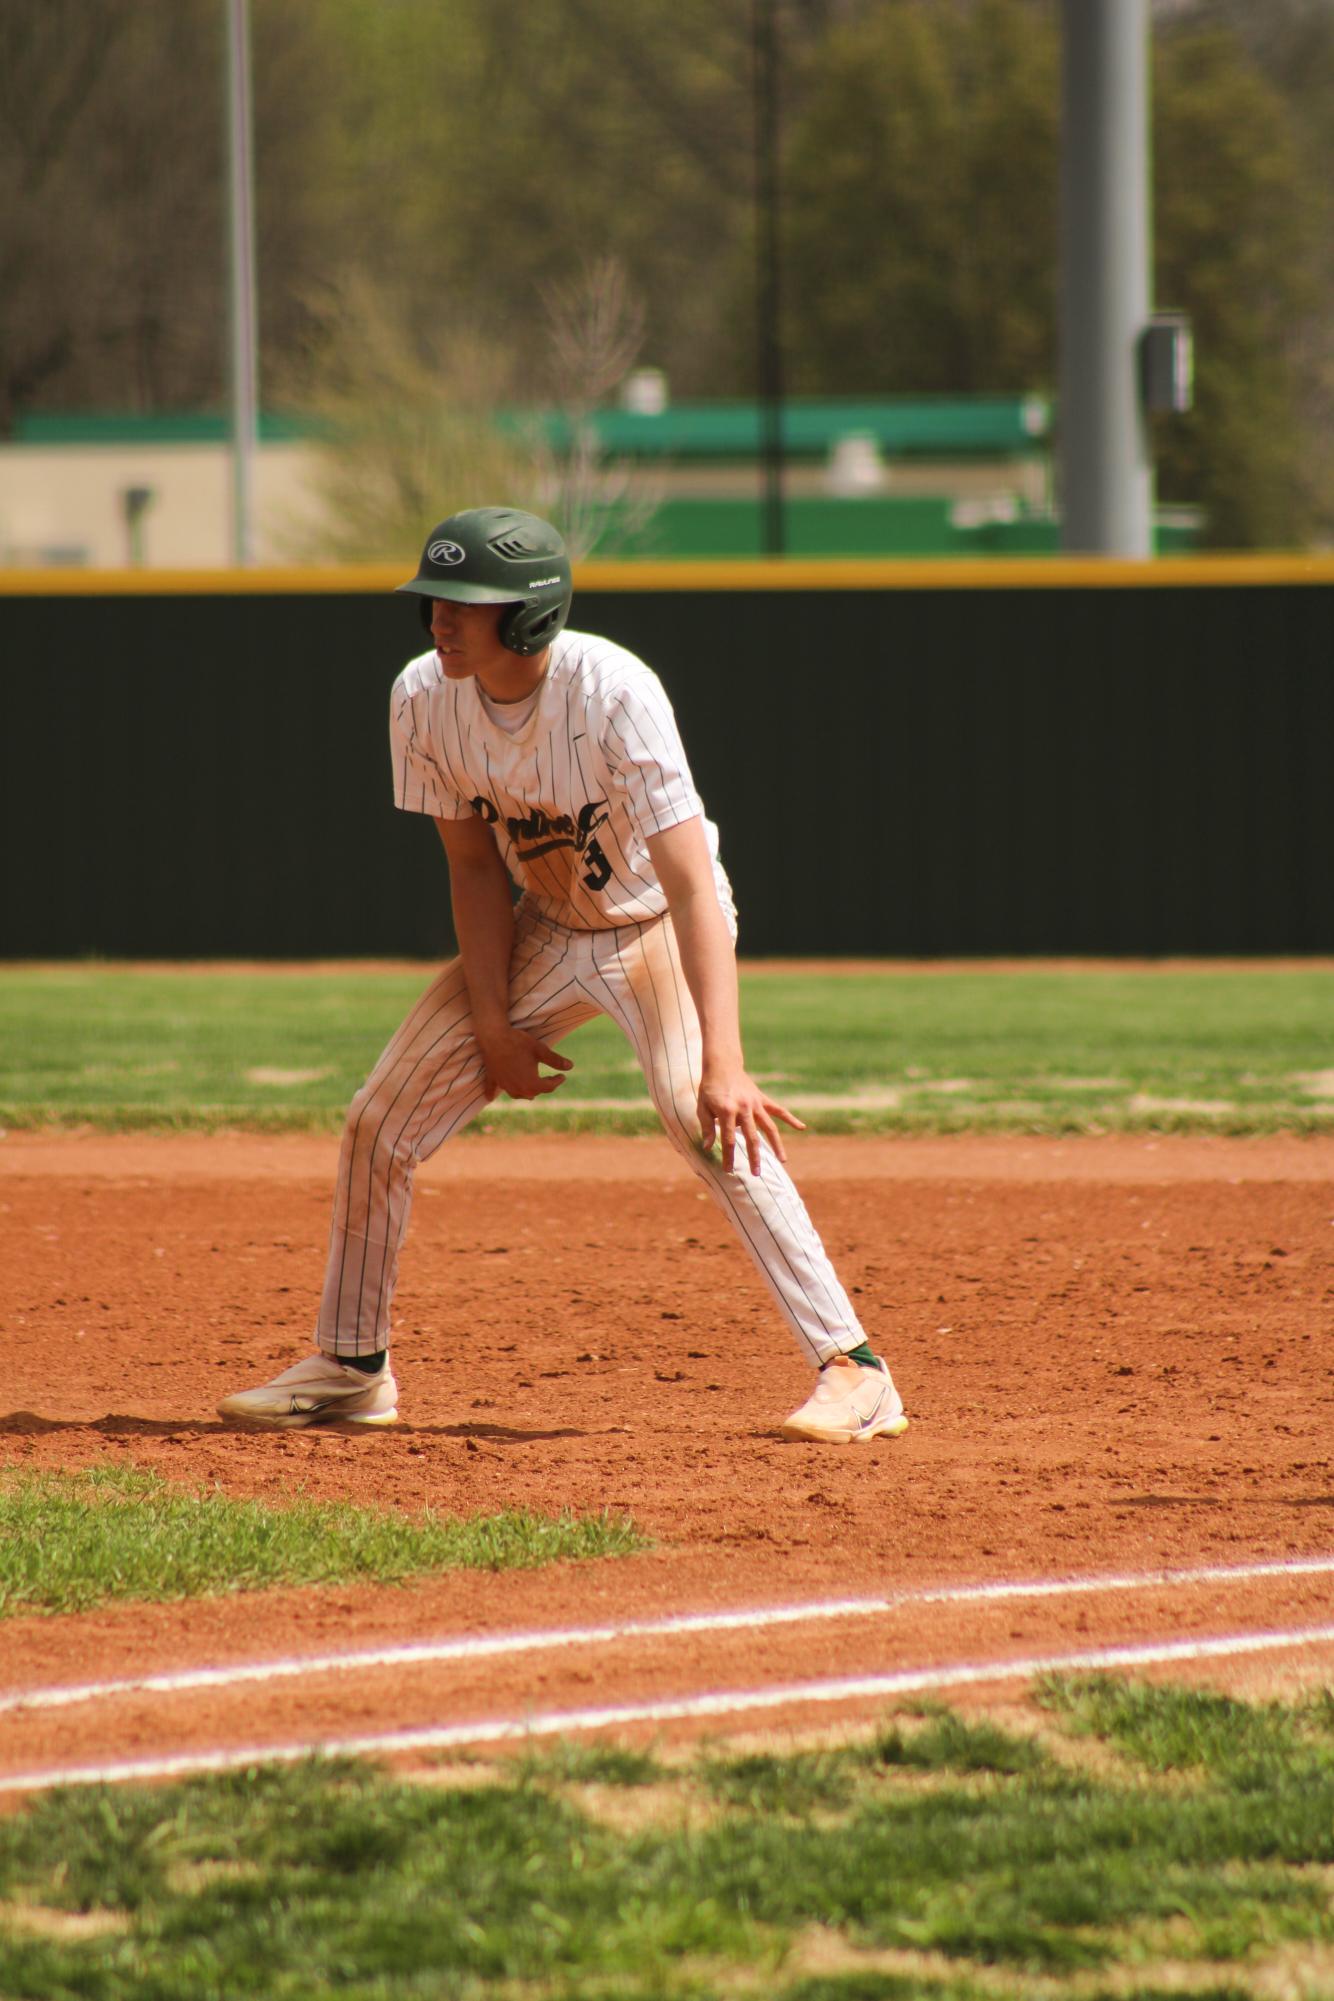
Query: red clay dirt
{"x": 1116, "y": 1355}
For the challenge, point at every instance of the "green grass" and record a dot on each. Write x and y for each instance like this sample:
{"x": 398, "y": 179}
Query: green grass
{"x": 1042, "y": 1050}
{"x": 1022, "y": 1872}
{"x": 72, "y": 1541}
{"x": 572, "y": 1763}
{"x": 947, "y": 1743}
{"x": 1175, "y": 1730}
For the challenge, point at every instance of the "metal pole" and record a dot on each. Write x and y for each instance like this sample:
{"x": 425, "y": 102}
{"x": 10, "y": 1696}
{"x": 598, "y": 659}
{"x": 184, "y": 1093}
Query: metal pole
{"x": 768, "y": 293}
{"x": 1106, "y": 470}
{"x": 241, "y": 278}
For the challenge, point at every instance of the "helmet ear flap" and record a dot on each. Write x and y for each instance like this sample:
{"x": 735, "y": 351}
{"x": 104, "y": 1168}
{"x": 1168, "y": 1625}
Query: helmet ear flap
{"x": 522, "y": 629}
{"x": 424, "y": 613}
{"x": 533, "y": 625}
{"x": 510, "y": 631}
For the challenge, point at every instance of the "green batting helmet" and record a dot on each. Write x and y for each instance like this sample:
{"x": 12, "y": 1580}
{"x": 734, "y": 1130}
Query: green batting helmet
{"x": 499, "y": 555}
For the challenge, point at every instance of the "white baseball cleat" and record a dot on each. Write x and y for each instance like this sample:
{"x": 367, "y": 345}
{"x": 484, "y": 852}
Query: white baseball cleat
{"x": 320, "y": 1390}
{"x": 849, "y": 1401}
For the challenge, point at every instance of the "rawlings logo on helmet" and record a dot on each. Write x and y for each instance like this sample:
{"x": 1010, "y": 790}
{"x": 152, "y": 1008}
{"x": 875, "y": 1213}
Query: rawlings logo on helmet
{"x": 446, "y": 553}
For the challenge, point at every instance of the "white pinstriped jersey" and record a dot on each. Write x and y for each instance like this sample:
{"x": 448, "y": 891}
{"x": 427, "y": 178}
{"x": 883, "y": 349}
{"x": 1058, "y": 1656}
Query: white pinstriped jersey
{"x": 573, "y": 796}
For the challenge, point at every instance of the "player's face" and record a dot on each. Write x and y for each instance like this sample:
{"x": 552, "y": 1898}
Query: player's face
{"x": 467, "y": 638}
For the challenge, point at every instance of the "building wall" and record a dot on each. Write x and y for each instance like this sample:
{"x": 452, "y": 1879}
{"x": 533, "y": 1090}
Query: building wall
{"x": 63, "y": 503}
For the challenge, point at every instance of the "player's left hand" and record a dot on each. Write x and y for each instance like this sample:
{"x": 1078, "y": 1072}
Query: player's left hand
{"x": 513, "y": 1060}
{"x": 733, "y": 1109}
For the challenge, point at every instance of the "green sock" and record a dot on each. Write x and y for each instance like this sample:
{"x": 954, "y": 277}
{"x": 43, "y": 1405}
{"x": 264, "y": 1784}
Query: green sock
{"x": 863, "y": 1356}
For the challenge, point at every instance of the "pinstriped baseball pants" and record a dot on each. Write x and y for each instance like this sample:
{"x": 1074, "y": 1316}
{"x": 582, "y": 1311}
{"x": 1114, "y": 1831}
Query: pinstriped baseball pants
{"x": 428, "y": 1084}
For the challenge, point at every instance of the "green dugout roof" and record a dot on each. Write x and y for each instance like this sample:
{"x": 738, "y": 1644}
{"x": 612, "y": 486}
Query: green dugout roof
{"x": 120, "y": 427}
{"x": 927, "y": 426}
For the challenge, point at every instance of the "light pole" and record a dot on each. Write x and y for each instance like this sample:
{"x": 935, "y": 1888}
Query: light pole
{"x": 1106, "y": 468}
{"x": 241, "y": 278}
{"x": 768, "y": 288}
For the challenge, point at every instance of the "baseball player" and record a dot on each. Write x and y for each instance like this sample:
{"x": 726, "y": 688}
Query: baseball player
{"x": 550, "y": 759}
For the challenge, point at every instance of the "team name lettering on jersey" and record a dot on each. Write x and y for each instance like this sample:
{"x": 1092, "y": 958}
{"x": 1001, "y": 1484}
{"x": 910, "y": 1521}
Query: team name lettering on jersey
{"x": 555, "y": 830}
{"x": 545, "y": 832}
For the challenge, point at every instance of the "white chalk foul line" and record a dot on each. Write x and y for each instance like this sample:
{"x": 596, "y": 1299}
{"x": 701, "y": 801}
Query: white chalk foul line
{"x": 755, "y": 1619}
{"x": 733, "y": 1702}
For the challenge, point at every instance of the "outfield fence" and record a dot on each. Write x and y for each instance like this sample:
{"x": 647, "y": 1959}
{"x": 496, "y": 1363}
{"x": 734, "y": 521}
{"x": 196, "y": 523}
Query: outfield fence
{"x": 904, "y": 759}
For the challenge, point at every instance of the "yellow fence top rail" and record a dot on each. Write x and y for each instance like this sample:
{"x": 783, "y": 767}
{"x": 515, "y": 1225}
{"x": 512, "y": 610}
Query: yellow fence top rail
{"x": 750, "y": 574}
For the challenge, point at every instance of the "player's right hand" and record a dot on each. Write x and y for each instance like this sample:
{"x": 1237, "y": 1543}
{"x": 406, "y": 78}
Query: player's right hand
{"x": 734, "y": 1111}
{"x": 513, "y": 1060}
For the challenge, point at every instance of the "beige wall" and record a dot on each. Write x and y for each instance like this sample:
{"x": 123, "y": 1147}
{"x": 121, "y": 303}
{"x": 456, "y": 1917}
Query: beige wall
{"x": 63, "y": 503}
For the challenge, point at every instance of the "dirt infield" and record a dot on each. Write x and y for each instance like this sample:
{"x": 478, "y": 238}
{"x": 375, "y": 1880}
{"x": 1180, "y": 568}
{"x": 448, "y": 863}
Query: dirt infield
{"x": 1118, "y": 1356}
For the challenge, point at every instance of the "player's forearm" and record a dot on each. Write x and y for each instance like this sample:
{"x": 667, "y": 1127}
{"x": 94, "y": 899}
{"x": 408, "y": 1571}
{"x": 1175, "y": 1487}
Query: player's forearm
{"x": 708, "y": 960}
{"x": 484, "y": 927}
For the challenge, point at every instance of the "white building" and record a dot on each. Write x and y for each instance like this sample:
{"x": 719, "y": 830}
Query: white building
{"x": 112, "y": 492}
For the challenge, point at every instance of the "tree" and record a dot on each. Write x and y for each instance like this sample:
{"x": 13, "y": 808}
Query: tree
{"x": 923, "y": 179}
{"x": 595, "y": 329}
{"x": 112, "y": 263}
{"x": 1291, "y": 43}
{"x": 523, "y": 147}
{"x": 922, "y": 185}
{"x": 87, "y": 116}
{"x": 402, "y": 429}
{"x": 1236, "y": 235}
